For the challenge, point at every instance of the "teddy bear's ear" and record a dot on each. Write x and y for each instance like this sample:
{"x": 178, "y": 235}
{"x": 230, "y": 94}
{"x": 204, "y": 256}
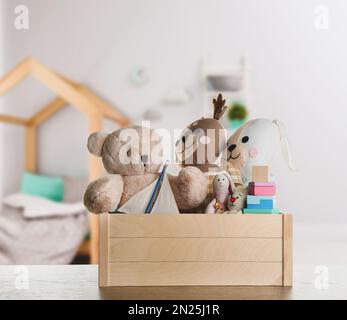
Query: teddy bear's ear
{"x": 96, "y": 141}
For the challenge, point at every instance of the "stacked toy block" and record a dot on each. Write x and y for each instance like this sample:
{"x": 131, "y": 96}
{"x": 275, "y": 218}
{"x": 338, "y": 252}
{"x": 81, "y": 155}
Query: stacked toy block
{"x": 261, "y": 193}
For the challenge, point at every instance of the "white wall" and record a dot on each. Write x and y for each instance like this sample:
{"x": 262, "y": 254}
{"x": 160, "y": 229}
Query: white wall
{"x": 1, "y": 102}
{"x": 297, "y": 75}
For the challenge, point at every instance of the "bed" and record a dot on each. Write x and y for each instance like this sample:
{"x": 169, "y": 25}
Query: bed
{"x": 49, "y": 236}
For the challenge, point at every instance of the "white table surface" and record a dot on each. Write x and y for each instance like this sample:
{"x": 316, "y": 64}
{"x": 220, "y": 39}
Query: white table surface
{"x": 320, "y": 272}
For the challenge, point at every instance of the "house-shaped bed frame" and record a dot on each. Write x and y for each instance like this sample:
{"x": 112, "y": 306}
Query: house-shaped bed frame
{"x": 69, "y": 93}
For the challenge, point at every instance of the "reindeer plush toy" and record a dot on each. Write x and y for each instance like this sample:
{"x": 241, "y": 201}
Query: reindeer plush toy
{"x": 201, "y": 145}
{"x": 203, "y": 141}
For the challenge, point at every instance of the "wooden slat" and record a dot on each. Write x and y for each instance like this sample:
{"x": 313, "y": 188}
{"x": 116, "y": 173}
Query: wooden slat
{"x": 195, "y": 225}
{"x": 95, "y": 171}
{"x": 94, "y": 238}
{"x": 104, "y": 251}
{"x": 63, "y": 88}
{"x": 13, "y": 119}
{"x": 84, "y": 249}
{"x": 17, "y": 74}
{"x": 195, "y": 273}
{"x": 107, "y": 110}
{"x": 31, "y": 149}
{"x": 287, "y": 250}
{"x": 66, "y": 79}
{"x": 195, "y": 249}
{"x": 48, "y": 111}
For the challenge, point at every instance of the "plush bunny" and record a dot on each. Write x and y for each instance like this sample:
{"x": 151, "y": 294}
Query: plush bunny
{"x": 223, "y": 186}
{"x": 256, "y": 143}
{"x": 237, "y": 201}
{"x": 133, "y": 167}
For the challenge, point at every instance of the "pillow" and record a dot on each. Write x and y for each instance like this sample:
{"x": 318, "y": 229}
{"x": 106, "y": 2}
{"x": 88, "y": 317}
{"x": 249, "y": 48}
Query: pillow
{"x": 43, "y": 186}
{"x": 74, "y": 188}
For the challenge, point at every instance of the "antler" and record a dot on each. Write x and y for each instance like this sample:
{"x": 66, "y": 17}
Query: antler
{"x": 219, "y": 107}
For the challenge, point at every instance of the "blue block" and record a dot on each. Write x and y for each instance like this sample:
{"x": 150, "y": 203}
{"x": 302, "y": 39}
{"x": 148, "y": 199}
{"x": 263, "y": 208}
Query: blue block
{"x": 261, "y": 211}
{"x": 261, "y": 202}
{"x": 264, "y": 204}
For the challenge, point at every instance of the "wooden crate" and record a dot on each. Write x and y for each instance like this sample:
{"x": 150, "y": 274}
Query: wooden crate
{"x": 195, "y": 250}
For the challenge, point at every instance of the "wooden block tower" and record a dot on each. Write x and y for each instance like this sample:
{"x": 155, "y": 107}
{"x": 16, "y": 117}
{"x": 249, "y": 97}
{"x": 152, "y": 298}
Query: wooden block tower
{"x": 261, "y": 198}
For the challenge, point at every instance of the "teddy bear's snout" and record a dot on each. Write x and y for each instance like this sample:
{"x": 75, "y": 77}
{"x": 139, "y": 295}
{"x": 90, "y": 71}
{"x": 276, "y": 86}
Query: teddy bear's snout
{"x": 232, "y": 147}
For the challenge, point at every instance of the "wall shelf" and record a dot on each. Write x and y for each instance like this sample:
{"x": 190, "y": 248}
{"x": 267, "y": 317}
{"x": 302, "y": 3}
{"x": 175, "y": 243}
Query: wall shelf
{"x": 230, "y": 80}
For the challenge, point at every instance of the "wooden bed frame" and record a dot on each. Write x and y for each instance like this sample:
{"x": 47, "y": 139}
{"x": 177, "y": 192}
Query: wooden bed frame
{"x": 68, "y": 93}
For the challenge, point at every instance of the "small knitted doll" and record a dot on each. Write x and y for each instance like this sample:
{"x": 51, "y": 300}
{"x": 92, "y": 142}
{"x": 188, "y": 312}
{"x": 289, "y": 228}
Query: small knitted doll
{"x": 223, "y": 186}
{"x": 237, "y": 201}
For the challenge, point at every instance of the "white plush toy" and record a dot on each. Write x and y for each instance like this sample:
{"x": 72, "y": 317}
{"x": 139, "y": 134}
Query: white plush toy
{"x": 256, "y": 143}
{"x": 223, "y": 186}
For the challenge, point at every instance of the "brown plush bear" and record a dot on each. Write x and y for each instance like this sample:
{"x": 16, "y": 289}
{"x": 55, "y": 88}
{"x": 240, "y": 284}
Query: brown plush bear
{"x": 134, "y": 166}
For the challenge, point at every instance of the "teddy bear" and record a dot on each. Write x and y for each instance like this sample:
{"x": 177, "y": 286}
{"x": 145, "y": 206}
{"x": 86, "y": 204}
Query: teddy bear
{"x": 134, "y": 165}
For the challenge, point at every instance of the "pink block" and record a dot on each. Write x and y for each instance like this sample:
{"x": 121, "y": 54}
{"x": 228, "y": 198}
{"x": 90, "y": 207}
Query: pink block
{"x": 262, "y": 184}
{"x": 263, "y": 191}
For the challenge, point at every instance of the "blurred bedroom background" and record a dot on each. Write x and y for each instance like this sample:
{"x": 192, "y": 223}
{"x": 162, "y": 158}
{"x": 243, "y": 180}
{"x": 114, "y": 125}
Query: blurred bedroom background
{"x": 152, "y": 60}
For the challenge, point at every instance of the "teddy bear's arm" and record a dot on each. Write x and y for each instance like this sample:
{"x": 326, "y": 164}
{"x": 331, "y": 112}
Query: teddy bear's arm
{"x": 103, "y": 195}
{"x": 189, "y": 188}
